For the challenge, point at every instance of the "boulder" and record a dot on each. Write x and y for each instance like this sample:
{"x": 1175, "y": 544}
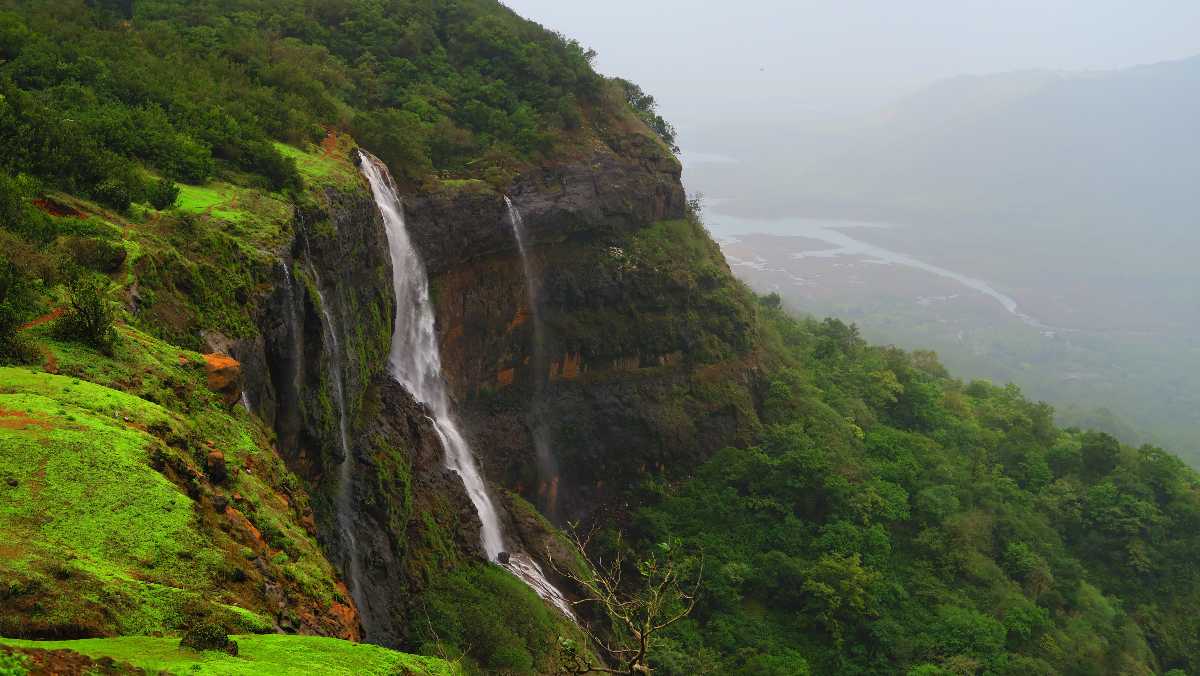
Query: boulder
{"x": 224, "y": 376}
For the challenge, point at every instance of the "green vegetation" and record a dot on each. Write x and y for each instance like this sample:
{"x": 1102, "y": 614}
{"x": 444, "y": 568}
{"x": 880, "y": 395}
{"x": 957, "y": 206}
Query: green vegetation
{"x": 89, "y": 314}
{"x": 647, "y": 109}
{"x": 878, "y": 516}
{"x": 99, "y": 497}
{"x": 258, "y": 655}
{"x": 491, "y": 621}
{"x": 892, "y": 518}
{"x": 202, "y": 89}
{"x": 709, "y": 316}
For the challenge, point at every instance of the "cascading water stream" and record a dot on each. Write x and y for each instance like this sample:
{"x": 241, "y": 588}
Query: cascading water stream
{"x": 547, "y": 462}
{"x": 344, "y": 498}
{"x": 415, "y": 363}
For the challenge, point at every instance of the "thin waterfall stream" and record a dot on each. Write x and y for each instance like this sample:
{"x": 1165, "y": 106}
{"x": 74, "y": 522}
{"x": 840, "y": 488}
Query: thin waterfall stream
{"x": 415, "y": 363}
{"x": 344, "y": 498}
{"x": 547, "y": 462}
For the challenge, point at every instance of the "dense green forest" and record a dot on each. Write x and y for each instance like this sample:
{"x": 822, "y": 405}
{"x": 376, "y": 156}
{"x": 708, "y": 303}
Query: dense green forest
{"x": 894, "y": 519}
{"x": 886, "y": 518}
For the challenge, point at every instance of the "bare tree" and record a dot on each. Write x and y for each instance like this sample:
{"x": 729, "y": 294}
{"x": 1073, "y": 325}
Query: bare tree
{"x": 638, "y": 610}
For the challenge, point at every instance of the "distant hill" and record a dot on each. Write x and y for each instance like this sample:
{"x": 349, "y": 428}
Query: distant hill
{"x": 1109, "y": 147}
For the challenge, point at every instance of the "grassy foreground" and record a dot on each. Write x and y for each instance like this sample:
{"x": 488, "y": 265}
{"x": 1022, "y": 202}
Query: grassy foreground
{"x": 259, "y": 655}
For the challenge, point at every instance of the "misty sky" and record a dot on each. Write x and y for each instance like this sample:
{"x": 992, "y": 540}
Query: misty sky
{"x": 708, "y": 62}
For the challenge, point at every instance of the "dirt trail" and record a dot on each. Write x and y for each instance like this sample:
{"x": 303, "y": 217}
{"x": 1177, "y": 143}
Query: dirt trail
{"x": 48, "y": 317}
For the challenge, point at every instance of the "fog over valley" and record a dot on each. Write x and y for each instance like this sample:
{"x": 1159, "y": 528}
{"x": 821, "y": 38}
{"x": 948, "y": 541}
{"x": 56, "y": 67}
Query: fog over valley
{"x": 1018, "y": 183}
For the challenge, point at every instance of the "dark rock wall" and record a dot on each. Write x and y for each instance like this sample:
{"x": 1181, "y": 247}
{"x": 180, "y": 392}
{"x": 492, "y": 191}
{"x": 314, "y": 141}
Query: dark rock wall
{"x": 410, "y": 516}
{"x": 624, "y": 395}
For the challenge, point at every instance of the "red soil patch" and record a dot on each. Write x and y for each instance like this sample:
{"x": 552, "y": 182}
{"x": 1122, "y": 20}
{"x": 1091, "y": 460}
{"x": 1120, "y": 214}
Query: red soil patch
{"x": 48, "y": 317}
{"x": 518, "y": 319}
{"x": 329, "y": 144}
{"x": 55, "y": 208}
{"x": 51, "y": 365}
{"x": 505, "y": 377}
{"x": 19, "y": 420}
{"x": 224, "y": 376}
{"x": 240, "y": 521}
{"x": 568, "y": 369}
{"x": 346, "y": 616}
{"x": 69, "y": 663}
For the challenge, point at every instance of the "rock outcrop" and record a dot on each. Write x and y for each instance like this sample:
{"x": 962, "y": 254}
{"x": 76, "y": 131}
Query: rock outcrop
{"x": 329, "y": 314}
{"x": 650, "y": 364}
{"x": 640, "y": 376}
{"x": 224, "y": 375}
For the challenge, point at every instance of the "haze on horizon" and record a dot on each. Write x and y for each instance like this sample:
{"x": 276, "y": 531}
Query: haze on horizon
{"x": 729, "y": 62}
{"x": 1043, "y": 149}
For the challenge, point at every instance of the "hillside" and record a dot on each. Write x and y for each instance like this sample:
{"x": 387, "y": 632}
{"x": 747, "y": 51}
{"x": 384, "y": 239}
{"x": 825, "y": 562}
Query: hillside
{"x": 253, "y": 389}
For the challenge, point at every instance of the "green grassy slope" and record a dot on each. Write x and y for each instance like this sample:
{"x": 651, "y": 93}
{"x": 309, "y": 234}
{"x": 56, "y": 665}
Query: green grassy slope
{"x": 271, "y": 655}
{"x": 110, "y": 521}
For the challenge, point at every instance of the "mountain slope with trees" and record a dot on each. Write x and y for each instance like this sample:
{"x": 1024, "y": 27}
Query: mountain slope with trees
{"x": 181, "y": 189}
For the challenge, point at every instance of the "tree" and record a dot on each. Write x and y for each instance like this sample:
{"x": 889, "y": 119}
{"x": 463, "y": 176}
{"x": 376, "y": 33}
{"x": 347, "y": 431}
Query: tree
{"x": 1100, "y": 453}
{"x": 639, "y": 611}
{"x": 163, "y": 194}
{"x": 14, "y": 299}
{"x": 647, "y": 109}
{"x": 89, "y": 314}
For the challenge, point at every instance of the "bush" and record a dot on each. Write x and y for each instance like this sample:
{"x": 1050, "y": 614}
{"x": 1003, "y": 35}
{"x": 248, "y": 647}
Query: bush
{"x": 13, "y": 664}
{"x": 208, "y": 635}
{"x": 89, "y": 314}
{"x": 95, "y": 253}
{"x": 163, "y": 194}
{"x": 113, "y": 193}
{"x": 14, "y": 302}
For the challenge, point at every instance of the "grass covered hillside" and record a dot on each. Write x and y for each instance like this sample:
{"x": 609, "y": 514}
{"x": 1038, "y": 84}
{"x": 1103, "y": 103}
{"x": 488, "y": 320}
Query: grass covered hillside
{"x": 258, "y": 656}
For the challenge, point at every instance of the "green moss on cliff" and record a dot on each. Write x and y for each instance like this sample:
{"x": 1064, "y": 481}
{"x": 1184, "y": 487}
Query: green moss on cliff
{"x": 660, "y": 291}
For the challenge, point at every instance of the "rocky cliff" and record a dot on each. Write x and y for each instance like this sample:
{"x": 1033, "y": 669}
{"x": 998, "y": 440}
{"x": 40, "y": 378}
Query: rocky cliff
{"x": 648, "y": 346}
{"x": 317, "y": 374}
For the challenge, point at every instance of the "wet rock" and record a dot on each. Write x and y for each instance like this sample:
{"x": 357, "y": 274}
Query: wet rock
{"x": 503, "y": 558}
{"x": 613, "y": 190}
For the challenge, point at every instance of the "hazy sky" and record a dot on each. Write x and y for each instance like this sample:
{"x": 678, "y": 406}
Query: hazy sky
{"x": 708, "y": 61}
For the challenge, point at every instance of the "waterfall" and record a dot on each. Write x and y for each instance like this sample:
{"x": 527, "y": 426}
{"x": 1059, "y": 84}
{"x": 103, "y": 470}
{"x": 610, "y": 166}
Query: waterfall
{"x": 415, "y": 362}
{"x": 547, "y": 462}
{"x": 344, "y": 497}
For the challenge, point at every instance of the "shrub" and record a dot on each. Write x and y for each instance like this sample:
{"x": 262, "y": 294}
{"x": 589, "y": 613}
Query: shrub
{"x": 95, "y": 253}
{"x": 162, "y": 194}
{"x": 113, "y": 193}
{"x": 14, "y": 302}
{"x": 89, "y": 314}
{"x": 13, "y": 664}
{"x": 208, "y": 634}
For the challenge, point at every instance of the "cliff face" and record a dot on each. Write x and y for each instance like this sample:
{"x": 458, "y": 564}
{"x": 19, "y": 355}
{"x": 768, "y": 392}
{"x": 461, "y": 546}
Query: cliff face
{"x": 646, "y": 361}
{"x": 647, "y": 356}
{"x": 318, "y": 371}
